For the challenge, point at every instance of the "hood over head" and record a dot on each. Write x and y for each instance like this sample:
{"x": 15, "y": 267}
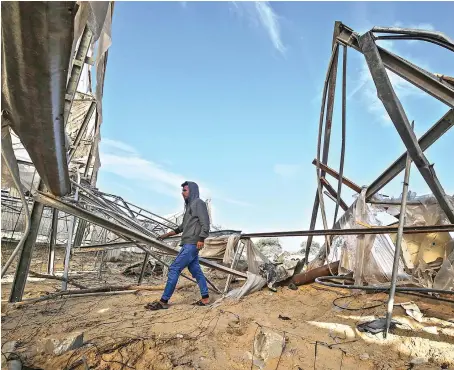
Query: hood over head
{"x": 193, "y": 191}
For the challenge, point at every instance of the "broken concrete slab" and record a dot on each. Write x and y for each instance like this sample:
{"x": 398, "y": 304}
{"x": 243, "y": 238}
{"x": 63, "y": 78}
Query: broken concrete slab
{"x": 61, "y": 344}
{"x": 268, "y": 345}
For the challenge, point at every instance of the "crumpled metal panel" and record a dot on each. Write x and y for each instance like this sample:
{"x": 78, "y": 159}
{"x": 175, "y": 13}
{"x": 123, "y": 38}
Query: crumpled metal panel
{"x": 36, "y": 47}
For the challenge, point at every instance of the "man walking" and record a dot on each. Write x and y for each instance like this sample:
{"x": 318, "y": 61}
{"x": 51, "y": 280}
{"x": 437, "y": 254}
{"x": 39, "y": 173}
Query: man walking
{"x": 195, "y": 228}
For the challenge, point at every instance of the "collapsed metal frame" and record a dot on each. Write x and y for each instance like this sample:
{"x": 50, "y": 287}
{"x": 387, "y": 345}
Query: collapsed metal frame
{"x": 118, "y": 216}
{"x": 378, "y": 61}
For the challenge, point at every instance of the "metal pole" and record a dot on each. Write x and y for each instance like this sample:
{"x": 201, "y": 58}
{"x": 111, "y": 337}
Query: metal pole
{"x": 356, "y": 188}
{"x": 53, "y": 242}
{"x": 331, "y": 80}
{"x": 144, "y": 266}
{"x": 64, "y": 284}
{"x": 20, "y": 277}
{"x": 332, "y": 89}
{"x": 374, "y": 230}
{"x": 344, "y": 113}
{"x": 398, "y": 248}
{"x": 236, "y": 257}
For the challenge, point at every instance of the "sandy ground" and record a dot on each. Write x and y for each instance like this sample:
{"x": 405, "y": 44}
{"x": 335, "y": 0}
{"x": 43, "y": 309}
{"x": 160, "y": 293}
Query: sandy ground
{"x": 119, "y": 333}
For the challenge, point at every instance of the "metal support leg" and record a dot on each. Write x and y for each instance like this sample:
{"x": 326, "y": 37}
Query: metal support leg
{"x": 397, "y": 251}
{"x": 397, "y": 114}
{"x": 144, "y": 267}
{"x": 236, "y": 258}
{"x": 20, "y": 278}
{"x": 53, "y": 242}
{"x": 64, "y": 284}
{"x": 330, "y": 83}
{"x": 344, "y": 118}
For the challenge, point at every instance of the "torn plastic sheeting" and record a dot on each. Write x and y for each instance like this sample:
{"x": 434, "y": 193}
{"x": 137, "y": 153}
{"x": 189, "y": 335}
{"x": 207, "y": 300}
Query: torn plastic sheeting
{"x": 445, "y": 277}
{"x": 412, "y": 310}
{"x": 8, "y": 156}
{"x": 253, "y": 284}
{"x": 254, "y": 281}
{"x": 221, "y": 246}
{"x": 372, "y": 261}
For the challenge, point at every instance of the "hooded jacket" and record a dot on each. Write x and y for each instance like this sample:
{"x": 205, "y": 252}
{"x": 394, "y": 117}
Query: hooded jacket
{"x": 196, "y": 222}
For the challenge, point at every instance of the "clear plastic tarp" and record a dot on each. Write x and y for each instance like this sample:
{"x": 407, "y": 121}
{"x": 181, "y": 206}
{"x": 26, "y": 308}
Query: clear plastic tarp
{"x": 370, "y": 257}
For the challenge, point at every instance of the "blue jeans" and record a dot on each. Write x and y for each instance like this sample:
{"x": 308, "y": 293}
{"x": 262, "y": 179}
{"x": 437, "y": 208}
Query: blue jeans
{"x": 188, "y": 257}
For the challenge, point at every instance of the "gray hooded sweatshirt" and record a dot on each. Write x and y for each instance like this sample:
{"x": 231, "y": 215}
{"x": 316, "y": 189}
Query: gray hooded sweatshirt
{"x": 196, "y": 222}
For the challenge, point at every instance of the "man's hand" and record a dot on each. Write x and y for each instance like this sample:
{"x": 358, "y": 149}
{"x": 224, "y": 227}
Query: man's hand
{"x": 200, "y": 245}
{"x": 165, "y": 236}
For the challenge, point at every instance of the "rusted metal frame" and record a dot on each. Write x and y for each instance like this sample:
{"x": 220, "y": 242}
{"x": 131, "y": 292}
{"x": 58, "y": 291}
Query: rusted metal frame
{"x": 64, "y": 284}
{"x": 333, "y": 193}
{"x": 23, "y": 266}
{"x": 82, "y": 130}
{"x": 397, "y": 114}
{"x": 80, "y": 232}
{"x": 144, "y": 267}
{"x": 344, "y": 125}
{"x": 417, "y": 76}
{"x": 15, "y": 210}
{"x": 54, "y": 202}
{"x": 107, "y": 245}
{"x": 430, "y": 137}
{"x": 356, "y": 188}
{"x": 363, "y": 231}
{"x": 147, "y": 254}
{"x": 392, "y": 203}
{"x": 398, "y": 248}
{"x": 123, "y": 220}
{"x": 331, "y": 80}
{"x": 417, "y": 38}
{"x": 433, "y": 35}
{"x": 52, "y": 242}
{"x": 112, "y": 212}
{"x": 310, "y": 276}
{"x": 90, "y": 155}
{"x": 129, "y": 207}
{"x": 76, "y": 70}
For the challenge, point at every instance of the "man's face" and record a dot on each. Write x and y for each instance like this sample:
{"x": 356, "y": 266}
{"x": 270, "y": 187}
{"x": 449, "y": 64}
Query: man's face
{"x": 185, "y": 192}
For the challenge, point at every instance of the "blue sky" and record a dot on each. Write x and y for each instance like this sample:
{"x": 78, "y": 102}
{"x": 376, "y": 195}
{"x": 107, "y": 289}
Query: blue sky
{"x": 228, "y": 95}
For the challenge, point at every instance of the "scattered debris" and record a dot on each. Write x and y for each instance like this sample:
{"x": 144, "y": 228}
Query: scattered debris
{"x": 375, "y": 326}
{"x": 412, "y": 310}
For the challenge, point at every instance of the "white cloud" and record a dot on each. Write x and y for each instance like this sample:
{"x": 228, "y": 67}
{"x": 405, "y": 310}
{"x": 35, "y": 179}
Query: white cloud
{"x": 123, "y": 160}
{"x": 114, "y": 146}
{"x": 286, "y": 170}
{"x": 261, "y": 12}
